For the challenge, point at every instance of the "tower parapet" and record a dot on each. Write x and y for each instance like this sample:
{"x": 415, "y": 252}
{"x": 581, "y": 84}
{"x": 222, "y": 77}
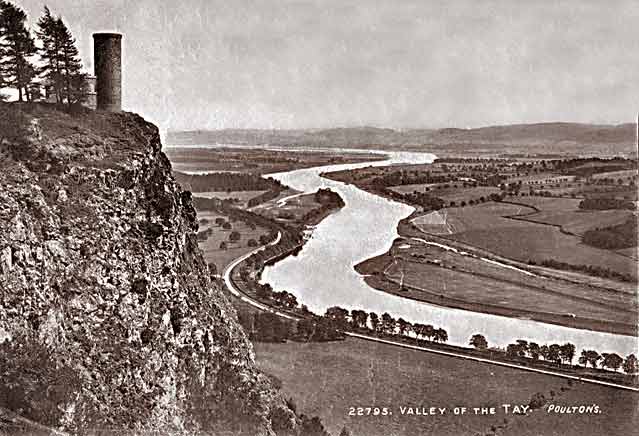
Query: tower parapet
{"x": 107, "y": 56}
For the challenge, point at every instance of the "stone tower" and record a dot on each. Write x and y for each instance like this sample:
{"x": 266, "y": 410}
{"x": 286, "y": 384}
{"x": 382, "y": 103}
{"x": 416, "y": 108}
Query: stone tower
{"x": 107, "y": 56}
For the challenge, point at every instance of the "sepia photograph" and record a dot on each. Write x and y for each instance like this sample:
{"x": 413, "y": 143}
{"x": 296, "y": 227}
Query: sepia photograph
{"x": 319, "y": 218}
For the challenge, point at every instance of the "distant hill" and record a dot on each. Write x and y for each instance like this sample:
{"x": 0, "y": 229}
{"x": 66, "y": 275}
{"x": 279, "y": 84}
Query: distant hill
{"x": 542, "y": 138}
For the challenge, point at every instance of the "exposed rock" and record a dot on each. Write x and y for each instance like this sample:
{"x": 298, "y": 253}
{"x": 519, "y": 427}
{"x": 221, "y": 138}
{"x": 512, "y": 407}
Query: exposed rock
{"x": 107, "y": 312}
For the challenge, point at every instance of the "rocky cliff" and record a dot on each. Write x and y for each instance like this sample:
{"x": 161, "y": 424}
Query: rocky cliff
{"x": 108, "y": 318}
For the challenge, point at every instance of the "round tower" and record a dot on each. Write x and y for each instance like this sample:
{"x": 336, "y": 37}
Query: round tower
{"x": 107, "y": 56}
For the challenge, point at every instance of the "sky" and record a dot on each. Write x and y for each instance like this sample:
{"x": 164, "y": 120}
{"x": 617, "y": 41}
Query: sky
{"x": 208, "y": 64}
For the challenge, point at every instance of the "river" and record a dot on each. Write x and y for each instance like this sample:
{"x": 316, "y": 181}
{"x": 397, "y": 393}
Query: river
{"x": 323, "y": 275}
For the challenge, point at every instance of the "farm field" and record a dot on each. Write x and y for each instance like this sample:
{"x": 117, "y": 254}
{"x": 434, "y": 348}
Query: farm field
{"x": 486, "y": 227}
{"x": 565, "y": 212}
{"x": 484, "y": 286}
{"x": 578, "y": 222}
{"x": 255, "y": 160}
{"x": 356, "y": 373}
{"x": 630, "y": 252}
{"x": 444, "y": 277}
{"x": 211, "y": 246}
{"x": 608, "y": 191}
{"x": 622, "y": 174}
{"x": 242, "y": 196}
{"x": 548, "y": 203}
{"x": 288, "y": 210}
{"x": 457, "y": 195}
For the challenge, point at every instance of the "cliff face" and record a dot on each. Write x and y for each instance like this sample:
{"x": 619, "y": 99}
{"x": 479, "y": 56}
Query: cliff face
{"x": 108, "y": 318}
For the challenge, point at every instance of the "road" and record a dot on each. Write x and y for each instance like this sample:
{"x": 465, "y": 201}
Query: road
{"x": 236, "y": 292}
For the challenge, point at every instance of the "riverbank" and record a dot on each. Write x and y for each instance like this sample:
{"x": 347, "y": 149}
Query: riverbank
{"x": 392, "y": 286}
{"x": 468, "y": 278}
{"x": 243, "y": 286}
{"x": 257, "y": 160}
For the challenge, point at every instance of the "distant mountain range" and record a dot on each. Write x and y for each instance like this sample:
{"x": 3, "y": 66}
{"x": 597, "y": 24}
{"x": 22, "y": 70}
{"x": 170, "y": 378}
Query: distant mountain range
{"x": 533, "y": 139}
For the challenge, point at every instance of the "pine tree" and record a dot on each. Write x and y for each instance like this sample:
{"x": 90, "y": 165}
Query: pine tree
{"x": 50, "y": 52}
{"x": 62, "y": 65}
{"x": 74, "y": 81}
{"x": 16, "y": 48}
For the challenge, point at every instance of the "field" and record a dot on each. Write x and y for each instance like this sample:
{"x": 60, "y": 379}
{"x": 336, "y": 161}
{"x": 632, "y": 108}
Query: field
{"x": 486, "y": 226}
{"x": 255, "y": 160}
{"x": 211, "y": 246}
{"x": 457, "y": 195}
{"x": 629, "y": 252}
{"x": 620, "y": 192}
{"x": 616, "y": 175}
{"x": 565, "y": 212}
{"x": 289, "y": 210}
{"x": 439, "y": 276}
{"x": 326, "y": 379}
{"x": 242, "y": 196}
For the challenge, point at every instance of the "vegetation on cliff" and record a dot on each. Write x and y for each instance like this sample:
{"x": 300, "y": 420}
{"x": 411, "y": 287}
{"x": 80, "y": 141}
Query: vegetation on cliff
{"x": 108, "y": 317}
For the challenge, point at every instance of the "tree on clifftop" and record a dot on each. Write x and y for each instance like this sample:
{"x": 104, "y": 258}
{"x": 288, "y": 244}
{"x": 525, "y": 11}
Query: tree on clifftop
{"x": 63, "y": 67}
{"x": 16, "y": 48}
{"x": 50, "y": 52}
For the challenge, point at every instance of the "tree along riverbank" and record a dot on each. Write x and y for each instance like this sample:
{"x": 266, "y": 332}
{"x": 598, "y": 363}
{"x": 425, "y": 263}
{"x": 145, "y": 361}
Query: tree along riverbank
{"x": 620, "y": 319}
{"x": 375, "y": 274}
{"x": 280, "y": 317}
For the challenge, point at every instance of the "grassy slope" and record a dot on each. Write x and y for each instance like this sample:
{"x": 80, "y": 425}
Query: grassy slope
{"x": 484, "y": 226}
{"x": 211, "y": 247}
{"x": 565, "y": 212}
{"x": 326, "y": 379}
{"x": 468, "y": 287}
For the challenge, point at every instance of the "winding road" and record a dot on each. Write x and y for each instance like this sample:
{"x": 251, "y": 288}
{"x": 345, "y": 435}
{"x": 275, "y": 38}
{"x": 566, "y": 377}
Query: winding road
{"x": 228, "y": 271}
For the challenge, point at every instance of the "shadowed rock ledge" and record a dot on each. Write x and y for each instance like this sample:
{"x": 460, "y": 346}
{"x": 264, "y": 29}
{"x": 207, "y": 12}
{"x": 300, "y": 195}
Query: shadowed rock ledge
{"x": 108, "y": 318}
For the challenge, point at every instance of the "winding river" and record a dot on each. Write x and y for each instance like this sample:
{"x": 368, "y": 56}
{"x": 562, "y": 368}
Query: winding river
{"x": 323, "y": 275}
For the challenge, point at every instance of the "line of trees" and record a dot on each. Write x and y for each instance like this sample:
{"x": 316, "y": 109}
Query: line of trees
{"x": 228, "y": 182}
{"x": 337, "y": 320}
{"x": 386, "y": 325}
{"x": 50, "y": 57}
{"x": 593, "y": 270}
{"x": 605, "y": 204}
{"x": 613, "y": 361}
{"x": 558, "y": 354}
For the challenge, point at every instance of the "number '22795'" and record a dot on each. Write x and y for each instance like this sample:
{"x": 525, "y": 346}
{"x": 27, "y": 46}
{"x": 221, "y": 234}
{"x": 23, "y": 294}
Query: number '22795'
{"x": 365, "y": 411}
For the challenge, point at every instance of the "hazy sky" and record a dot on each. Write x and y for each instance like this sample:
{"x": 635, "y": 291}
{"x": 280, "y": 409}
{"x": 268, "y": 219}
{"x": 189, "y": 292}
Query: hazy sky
{"x": 389, "y": 63}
